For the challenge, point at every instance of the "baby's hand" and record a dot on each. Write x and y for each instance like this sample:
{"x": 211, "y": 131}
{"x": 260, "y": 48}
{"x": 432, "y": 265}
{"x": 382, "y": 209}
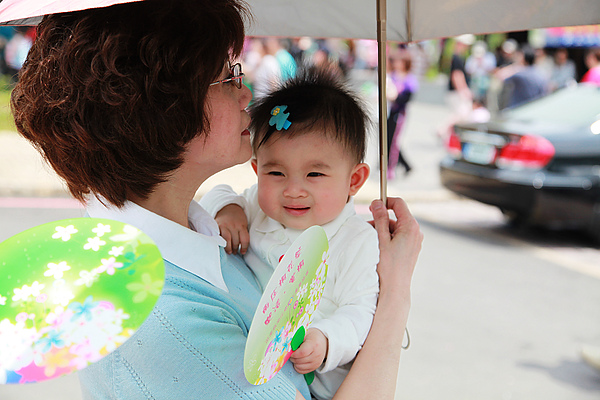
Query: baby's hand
{"x": 233, "y": 225}
{"x": 311, "y": 353}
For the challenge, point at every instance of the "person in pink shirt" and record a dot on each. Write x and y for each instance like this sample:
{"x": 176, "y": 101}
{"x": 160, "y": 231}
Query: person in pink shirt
{"x": 592, "y": 60}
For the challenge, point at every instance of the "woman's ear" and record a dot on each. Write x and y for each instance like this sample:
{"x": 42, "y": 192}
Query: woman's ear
{"x": 254, "y": 166}
{"x": 359, "y": 176}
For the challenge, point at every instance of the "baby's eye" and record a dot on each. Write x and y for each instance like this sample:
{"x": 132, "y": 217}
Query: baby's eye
{"x": 313, "y": 174}
{"x": 275, "y": 173}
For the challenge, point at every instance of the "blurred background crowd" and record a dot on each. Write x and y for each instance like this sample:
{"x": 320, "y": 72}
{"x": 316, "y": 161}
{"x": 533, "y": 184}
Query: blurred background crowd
{"x": 474, "y": 76}
{"x": 479, "y": 75}
{"x": 491, "y": 71}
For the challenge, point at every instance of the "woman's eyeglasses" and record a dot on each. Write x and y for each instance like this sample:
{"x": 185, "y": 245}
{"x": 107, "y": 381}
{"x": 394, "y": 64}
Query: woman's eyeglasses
{"x": 235, "y": 76}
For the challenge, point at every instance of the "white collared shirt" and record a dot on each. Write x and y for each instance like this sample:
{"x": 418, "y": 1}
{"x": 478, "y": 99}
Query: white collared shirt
{"x": 196, "y": 251}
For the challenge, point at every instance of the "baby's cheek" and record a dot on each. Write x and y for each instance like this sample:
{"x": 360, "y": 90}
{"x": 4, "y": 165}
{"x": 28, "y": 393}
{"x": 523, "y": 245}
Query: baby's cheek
{"x": 266, "y": 200}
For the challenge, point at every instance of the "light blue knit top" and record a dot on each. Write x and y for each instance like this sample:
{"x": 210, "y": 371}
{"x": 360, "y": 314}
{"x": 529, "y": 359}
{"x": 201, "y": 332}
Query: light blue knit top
{"x": 191, "y": 346}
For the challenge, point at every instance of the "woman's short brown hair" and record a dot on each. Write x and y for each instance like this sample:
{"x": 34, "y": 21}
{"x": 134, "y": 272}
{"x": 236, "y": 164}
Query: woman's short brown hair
{"x": 112, "y": 96}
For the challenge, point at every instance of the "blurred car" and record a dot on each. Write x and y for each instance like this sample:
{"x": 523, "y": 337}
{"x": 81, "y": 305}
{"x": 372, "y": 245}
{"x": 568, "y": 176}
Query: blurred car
{"x": 538, "y": 162}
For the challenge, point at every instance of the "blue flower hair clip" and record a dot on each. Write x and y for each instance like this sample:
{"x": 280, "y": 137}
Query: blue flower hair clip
{"x": 279, "y": 118}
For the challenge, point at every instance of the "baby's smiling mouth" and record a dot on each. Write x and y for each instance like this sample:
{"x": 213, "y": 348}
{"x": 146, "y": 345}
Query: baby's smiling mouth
{"x": 296, "y": 210}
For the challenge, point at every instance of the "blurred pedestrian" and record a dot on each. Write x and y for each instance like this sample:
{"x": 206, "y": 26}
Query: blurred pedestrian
{"x": 563, "y": 70}
{"x": 16, "y": 51}
{"x": 252, "y": 56}
{"x": 267, "y": 74}
{"x": 505, "y": 67}
{"x": 276, "y": 66}
{"x": 526, "y": 83}
{"x": 401, "y": 86}
{"x": 419, "y": 59}
{"x": 320, "y": 57}
{"x": 287, "y": 64}
{"x": 592, "y": 61}
{"x": 506, "y": 52}
{"x": 347, "y": 57}
{"x": 479, "y": 67}
{"x": 6, "y": 33}
{"x": 544, "y": 63}
{"x": 459, "y": 97}
{"x": 366, "y": 54}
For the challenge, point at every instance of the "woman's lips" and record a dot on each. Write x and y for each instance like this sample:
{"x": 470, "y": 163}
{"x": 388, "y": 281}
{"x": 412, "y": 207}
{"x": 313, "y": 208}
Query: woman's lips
{"x": 246, "y": 132}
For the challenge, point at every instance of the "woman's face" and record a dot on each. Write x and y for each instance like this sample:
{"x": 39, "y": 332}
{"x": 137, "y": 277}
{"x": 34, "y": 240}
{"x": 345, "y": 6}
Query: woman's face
{"x": 228, "y": 141}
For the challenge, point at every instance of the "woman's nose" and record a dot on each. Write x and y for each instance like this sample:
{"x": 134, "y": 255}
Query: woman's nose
{"x": 245, "y": 96}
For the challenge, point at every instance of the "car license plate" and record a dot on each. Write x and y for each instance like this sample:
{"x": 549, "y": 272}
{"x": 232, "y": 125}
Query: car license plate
{"x": 479, "y": 153}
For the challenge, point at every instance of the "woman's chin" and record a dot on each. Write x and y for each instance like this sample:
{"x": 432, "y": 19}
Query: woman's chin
{"x": 238, "y": 161}
{"x": 245, "y": 156}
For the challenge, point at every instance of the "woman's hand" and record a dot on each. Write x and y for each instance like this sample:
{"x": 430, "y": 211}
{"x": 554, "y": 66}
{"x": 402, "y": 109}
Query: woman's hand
{"x": 399, "y": 245}
{"x": 379, "y": 359}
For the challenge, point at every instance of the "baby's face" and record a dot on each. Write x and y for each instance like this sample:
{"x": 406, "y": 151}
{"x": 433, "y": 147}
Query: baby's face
{"x": 303, "y": 181}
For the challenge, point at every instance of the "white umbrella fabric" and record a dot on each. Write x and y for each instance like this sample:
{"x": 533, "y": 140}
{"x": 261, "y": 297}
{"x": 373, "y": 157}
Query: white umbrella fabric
{"x": 415, "y": 20}
{"x": 407, "y": 21}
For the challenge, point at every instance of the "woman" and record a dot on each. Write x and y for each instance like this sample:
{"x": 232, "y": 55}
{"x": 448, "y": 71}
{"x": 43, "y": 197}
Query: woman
{"x": 135, "y": 106}
{"x": 592, "y": 61}
{"x": 402, "y": 85}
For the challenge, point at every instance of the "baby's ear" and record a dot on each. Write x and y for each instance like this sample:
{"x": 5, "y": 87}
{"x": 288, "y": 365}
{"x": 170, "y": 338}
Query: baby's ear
{"x": 359, "y": 176}
{"x": 254, "y": 166}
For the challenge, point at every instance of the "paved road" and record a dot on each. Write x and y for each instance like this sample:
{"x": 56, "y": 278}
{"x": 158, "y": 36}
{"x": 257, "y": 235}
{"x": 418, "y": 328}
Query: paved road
{"x": 498, "y": 316}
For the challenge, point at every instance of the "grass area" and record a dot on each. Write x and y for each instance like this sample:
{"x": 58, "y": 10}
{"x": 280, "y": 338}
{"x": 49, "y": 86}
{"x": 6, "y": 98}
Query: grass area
{"x": 6, "y": 119}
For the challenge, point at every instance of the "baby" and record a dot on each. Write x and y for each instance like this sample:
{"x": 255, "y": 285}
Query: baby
{"x": 309, "y": 140}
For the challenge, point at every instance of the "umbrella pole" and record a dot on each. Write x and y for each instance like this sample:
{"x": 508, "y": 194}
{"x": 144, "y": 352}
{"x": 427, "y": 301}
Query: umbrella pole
{"x": 381, "y": 80}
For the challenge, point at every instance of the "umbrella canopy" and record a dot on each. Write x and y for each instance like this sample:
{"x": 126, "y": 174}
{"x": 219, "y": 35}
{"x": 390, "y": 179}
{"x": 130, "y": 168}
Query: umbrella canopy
{"x": 414, "y": 20}
{"x": 407, "y": 20}
{"x": 29, "y": 12}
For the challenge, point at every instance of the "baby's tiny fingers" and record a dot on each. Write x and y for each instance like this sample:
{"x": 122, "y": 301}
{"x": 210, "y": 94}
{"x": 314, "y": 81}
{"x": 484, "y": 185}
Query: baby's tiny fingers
{"x": 306, "y": 367}
{"x": 225, "y": 234}
{"x": 235, "y": 243}
{"x": 244, "y": 241}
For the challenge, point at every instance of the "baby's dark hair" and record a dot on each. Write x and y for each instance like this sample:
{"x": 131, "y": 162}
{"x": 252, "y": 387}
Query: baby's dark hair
{"x": 317, "y": 99}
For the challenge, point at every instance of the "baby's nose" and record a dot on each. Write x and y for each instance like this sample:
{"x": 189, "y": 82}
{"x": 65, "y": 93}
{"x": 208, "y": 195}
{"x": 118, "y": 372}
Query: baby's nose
{"x": 294, "y": 188}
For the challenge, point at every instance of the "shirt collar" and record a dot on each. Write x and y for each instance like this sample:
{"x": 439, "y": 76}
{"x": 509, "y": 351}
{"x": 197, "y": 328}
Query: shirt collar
{"x": 196, "y": 251}
{"x": 268, "y": 224}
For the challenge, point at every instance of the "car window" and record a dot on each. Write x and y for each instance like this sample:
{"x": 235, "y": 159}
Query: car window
{"x": 573, "y": 106}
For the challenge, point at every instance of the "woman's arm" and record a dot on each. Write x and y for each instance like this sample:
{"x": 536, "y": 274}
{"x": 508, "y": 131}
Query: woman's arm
{"x": 374, "y": 372}
{"x": 375, "y": 368}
